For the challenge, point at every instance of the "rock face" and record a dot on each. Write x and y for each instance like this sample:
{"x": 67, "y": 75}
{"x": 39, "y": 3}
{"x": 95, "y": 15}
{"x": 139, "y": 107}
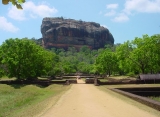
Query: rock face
{"x": 63, "y": 33}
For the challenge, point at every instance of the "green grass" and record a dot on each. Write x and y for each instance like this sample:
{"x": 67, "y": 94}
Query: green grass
{"x": 155, "y": 98}
{"x": 120, "y": 77}
{"x": 103, "y": 80}
{"x": 26, "y": 100}
{"x": 6, "y": 78}
{"x": 116, "y": 78}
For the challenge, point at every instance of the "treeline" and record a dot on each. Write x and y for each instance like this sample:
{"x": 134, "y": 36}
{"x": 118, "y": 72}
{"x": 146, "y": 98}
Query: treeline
{"x": 139, "y": 56}
{"x": 73, "y": 61}
{"x": 26, "y": 59}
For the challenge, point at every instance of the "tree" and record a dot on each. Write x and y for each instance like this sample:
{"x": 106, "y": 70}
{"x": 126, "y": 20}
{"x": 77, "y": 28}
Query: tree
{"x": 68, "y": 67}
{"x": 24, "y": 59}
{"x": 140, "y": 55}
{"x": 16, "y": 3}
{"x": 106, "y": 62}
{"x": 85, "y": 49}
{"x": 84, "y": 67}
{"x": 123, "y": 52}
{"x": 56, "y": 66}
{"x": 71, "y": 51}
{"x": 145, "y": 54}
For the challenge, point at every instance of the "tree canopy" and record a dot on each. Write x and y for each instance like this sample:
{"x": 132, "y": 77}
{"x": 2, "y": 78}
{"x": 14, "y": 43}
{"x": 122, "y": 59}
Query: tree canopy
{"x": 24, "y": 59}
{"x": 16, "y": 3}
{"x": 140, "y": 55}
{"x": 106, "y": 62}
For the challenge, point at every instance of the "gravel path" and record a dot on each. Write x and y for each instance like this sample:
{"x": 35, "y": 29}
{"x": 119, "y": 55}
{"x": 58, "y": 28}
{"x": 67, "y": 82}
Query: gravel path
{"x": 85, "y": 100}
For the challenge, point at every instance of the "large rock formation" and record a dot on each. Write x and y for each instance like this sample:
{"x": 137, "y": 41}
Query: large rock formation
{"x": 64, "y": 33}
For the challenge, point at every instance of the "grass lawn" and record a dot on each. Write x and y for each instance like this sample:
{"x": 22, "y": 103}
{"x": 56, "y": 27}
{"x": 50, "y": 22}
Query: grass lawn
{"x": 155, "y": 98}
{"x": 103, "y": 80}
{"x": 28, "y": 100}
{"x": 121, "y": 77}
{"x": 6, "y": 78}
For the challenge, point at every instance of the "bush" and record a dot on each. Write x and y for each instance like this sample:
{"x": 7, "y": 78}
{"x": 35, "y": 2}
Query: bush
{"x": 131, "y": 74}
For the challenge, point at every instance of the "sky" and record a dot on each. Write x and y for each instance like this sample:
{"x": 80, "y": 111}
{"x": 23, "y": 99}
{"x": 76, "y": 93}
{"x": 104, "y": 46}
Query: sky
{"x": 125, "y": 19}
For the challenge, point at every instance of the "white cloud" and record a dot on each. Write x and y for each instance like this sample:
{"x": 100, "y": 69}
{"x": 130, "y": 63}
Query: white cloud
{"x": 112, "y": 6}
{"x": 30, "y": 10}
{"x": 116, "y": 17}
{"x": 16, "y": 14}
{"x": 41, "y": 10}
{"x": 143, "y": 6}
{"x": 7, "y": 26}
{"x": 133, "y": 6}
{"x": 111, "y": 13}
{"x": 121, "y": 18}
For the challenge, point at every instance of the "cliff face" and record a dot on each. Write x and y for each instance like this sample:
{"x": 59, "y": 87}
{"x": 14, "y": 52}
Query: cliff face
{"x": 64, "y": 33}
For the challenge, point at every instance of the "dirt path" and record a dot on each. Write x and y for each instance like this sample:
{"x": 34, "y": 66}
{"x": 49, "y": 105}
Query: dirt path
{"x": 84, "y": 100}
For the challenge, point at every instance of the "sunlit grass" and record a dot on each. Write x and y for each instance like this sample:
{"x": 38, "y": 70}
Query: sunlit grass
{"x": 119, "y": 77}
{"x": 18, "y": 100}
{"x": 155, "y": 98}
{"x": 103, "y": 80}
{"x": 4, "y": 78}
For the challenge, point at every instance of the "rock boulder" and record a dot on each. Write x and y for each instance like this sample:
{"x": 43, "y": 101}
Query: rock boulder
{"x": 63, "y": 33}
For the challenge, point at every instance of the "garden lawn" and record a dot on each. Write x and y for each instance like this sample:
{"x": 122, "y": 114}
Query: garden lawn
{"x": 155, "y": 98}
{"x": 27, "y": 100}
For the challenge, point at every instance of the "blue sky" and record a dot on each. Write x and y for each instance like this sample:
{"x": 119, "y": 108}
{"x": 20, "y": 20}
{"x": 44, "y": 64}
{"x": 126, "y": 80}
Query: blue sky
{"x": 126, "y": 19}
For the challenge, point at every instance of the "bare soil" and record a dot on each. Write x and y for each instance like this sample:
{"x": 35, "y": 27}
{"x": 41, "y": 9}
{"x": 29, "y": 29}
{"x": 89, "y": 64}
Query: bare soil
{"x": 86, "y": 100}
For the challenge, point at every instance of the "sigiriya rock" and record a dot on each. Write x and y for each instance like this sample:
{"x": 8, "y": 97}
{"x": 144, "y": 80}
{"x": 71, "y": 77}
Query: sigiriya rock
{"x": 63, "y": 33}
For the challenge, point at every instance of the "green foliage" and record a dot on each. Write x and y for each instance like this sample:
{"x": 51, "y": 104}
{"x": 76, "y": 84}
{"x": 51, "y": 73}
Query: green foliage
{"x": 72, "y": 61}
{"x": 16, "y": 3}
{"x": 131, "y": 74}
{"x": 123, "y": 54}
{"x": 106, "y": 62}
{"x": 27, "y": 101}
{"x": 140, "y": 55}
{"x": 85, "y": 50}
{"x": 24, "y": 59}
{"x": 156, "y": 98}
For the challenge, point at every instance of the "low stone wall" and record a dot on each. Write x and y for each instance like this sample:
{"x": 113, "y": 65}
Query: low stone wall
{"x": 149, "y": 102}
{"x": 38, "y": 82}
{"x": 89, "y": 81}
{"x": 57, "y": 82}
{"x": 72, "y": 81}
